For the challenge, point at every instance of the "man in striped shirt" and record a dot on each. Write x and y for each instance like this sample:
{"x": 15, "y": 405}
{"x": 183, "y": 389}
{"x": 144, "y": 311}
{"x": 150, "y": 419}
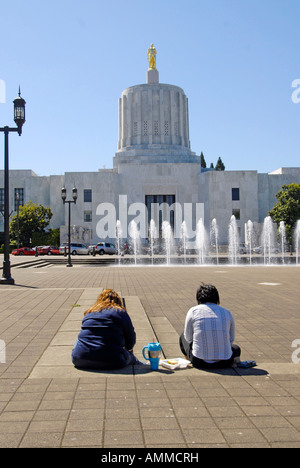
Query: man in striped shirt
{"x": 209, "y": 332}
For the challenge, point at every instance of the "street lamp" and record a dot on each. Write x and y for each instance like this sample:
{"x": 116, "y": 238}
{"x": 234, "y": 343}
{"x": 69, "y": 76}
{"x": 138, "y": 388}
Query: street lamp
{"x": 18, "y": 224}
{"x": 64, "y": 199}
{"x": 19, "y": 118}
{"x": 19, "y": 112}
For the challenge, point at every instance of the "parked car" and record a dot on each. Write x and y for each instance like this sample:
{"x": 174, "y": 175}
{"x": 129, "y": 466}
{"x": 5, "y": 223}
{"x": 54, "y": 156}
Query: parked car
{"x": 47, "y": 250}
{"x": 243, "y": 249}
{"x": 104, "y": 248}
{"x": 23, "y": 251}
{"x": 260, "y": 250}
{"x": 75, "y": 248}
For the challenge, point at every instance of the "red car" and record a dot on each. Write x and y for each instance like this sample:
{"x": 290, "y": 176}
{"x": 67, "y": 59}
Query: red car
{"x": 48, "y": 250}
{"x": 23, "y": 251}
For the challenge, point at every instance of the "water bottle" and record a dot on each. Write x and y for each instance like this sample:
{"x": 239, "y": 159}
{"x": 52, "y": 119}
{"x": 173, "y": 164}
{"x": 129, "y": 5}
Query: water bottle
{"x": 154, "y": 352}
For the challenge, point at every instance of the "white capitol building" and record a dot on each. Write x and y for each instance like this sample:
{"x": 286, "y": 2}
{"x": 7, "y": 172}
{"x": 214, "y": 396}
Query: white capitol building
{"x": 153, "y": 169}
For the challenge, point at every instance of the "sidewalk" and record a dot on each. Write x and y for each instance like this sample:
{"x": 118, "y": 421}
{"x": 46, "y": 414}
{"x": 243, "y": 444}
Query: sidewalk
{"x": 46, "y": 402}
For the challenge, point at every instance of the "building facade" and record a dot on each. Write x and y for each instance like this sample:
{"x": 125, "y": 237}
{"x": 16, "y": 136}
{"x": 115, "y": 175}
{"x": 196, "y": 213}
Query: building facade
{"x": 155, "y": 175}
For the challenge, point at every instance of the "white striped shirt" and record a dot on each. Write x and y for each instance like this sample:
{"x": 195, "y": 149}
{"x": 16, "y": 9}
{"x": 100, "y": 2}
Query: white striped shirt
{"x": 211, "y": 329}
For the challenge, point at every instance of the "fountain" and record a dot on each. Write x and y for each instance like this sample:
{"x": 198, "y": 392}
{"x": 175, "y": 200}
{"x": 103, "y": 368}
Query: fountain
{"x": 249, "y": 238}
{"x": 135, "y": 239}
{"x": 272, "y": 246}
{"x": 167, "y": 235}
{"x": 201, "y": 241}
{"x": 282, "y": 235}
{"x": 233, "y": 246}
{"x": 214, "y": 237}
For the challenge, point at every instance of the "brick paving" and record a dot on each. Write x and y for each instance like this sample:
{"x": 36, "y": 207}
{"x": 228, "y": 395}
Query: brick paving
{"x": 45, "y": 402}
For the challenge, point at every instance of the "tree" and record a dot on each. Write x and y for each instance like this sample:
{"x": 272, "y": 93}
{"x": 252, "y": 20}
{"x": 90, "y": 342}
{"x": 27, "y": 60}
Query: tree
{"x": 287, "y": 208}
{"x": 51, "y": 237}
{"x": 220, "y": 165}
{"x": 33, "y": 218}
{"x": 202, "y": 160}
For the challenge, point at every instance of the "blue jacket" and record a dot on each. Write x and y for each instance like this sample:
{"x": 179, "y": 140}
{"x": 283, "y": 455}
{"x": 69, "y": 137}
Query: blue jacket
{"x": 104, "y": 340}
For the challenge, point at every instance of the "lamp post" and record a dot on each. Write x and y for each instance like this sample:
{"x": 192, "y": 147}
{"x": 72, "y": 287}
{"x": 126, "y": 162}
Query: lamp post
{"x": 19, "y": 118}
{"x": 18, "y": 224}
{"x": 64, "y": 199}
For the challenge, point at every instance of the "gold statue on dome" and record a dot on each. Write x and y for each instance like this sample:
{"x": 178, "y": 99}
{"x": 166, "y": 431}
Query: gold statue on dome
{"x": 152, "y": 57}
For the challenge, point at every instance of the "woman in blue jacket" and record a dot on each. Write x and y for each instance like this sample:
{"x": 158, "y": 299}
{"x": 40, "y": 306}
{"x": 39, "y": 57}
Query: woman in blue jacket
{"x": 107, "y": 335}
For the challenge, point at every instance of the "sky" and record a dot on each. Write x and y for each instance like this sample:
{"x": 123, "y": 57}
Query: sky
{"x": 236, "y": 60}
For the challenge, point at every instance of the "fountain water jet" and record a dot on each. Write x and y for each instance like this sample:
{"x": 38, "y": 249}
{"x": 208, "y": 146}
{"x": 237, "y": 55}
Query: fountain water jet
{"x": 268, "y": 239}
{"x": 214, "y": 237}
{"x": 135, "y": 239}
{"x": 249, "y": 238}
{"x": 152, "y": 237}
{"x": 282, "y": 235}
{"x": 233, "y": 247}
{"x": 167, "y": 235}
{"x": 184, "y": 237}
{"x": 201, "y": 241}
{"x": 297, "y": 240}
{"x": 119, "y": 236}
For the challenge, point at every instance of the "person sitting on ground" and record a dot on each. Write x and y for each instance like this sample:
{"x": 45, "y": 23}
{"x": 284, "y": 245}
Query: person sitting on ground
{"x": 209, "y": 333}
{"x": 107, "y": 335}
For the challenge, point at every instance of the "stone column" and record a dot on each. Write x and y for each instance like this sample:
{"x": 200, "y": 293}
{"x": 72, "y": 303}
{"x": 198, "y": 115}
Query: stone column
{"x": 181, "y": 126}
{"x": 129, "y": 119}
{"x": 161, "y": 116}
{"x": 120, "y": 123}
{"x": 124, "y": 121}
{"x": 139, "y": 118}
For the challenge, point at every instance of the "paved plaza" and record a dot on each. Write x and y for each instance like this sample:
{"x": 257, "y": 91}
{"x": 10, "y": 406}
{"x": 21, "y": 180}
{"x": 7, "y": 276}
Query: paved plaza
{"x": 46, "y": 402}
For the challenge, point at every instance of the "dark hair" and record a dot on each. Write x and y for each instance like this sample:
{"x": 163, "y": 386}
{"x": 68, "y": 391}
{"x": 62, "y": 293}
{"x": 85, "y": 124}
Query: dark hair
{"x": 207, "y": 293}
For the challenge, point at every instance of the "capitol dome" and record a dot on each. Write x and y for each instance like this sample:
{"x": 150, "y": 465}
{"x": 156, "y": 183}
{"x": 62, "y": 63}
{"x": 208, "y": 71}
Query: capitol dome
{"x": 154, "y": 122}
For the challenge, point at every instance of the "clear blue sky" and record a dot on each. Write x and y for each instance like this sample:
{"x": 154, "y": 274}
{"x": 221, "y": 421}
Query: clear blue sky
{"x": 235, "y": 59}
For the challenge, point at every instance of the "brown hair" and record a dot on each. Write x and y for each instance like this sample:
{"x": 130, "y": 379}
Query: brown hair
{"x": 107, "y": 299}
